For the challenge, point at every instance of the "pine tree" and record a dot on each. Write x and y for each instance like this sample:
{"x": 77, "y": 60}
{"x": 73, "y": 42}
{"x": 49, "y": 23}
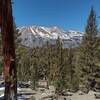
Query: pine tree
{"x": 34, "y": 67}
{"x": 88, "y": 49}
{"x": 59, "y": 71}
{"x": 23, "y": 61}
{"x": 71, "y": 68}
{"x": 48, "y": 57}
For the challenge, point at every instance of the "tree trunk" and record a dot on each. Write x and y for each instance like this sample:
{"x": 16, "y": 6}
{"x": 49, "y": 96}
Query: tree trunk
{"x": 7, "y": 31}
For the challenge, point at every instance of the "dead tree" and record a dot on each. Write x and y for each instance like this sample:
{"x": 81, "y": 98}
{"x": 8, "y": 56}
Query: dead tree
{"x": 7, "y": 31}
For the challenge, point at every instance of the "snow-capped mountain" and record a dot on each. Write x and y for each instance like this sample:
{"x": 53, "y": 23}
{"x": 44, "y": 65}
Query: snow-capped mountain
{"x": 37, "y": 36}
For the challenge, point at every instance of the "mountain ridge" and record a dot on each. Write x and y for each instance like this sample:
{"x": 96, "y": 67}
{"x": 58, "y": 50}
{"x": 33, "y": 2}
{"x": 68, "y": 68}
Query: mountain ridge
{"x": 37, "y": 36}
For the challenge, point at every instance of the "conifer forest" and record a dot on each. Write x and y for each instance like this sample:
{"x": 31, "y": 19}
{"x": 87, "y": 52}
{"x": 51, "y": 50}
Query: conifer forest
{"x": 51, "y": 71}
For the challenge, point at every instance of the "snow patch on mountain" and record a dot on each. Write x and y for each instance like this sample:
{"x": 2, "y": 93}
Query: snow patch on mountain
{"x": 37, "y": 36}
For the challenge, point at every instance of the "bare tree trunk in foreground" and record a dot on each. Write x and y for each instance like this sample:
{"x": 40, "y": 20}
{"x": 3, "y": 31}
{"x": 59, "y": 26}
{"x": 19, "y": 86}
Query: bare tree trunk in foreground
{"x": 7, "y": 31}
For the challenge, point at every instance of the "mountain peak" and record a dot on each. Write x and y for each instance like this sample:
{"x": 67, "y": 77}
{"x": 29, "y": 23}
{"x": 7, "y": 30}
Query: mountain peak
{"x": 38, "y": 35}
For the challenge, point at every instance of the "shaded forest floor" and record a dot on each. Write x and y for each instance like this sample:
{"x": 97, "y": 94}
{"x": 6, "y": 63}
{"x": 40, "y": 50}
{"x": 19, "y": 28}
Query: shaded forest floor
{"x": 89, "y": 96}
{"x": 46, "y": 95}
{"x": 42, "y": 93}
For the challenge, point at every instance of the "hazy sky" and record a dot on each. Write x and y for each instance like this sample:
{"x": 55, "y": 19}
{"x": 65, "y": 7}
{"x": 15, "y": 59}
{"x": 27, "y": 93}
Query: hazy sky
{"x": 67, "y": 14}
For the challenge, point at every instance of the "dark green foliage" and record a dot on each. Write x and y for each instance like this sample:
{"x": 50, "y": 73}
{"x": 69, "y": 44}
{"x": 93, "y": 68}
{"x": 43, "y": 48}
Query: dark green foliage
{"x": 59, "y": 63}
{"x": 71, "y": 67}
{"x": 88, "y": 49}
{"x": 34, "y": 67}
{"x": 52, "y": 63}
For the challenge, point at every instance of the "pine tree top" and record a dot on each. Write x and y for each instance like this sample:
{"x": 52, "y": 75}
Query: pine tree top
{"x": 91, "y": 27}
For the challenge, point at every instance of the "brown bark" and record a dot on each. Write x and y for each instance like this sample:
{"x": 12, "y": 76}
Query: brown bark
{"x": 6, "y": 24}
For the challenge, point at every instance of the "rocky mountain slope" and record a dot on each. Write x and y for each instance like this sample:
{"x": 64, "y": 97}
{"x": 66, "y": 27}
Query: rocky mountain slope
{"x": 37, "y": 36}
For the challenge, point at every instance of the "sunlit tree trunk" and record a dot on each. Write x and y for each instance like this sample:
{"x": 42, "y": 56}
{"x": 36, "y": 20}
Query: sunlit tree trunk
{"x": 6, "y": 24}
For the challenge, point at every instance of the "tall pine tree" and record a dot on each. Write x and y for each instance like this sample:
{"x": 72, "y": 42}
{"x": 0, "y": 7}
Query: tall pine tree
{"x": 88, "y": 50}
